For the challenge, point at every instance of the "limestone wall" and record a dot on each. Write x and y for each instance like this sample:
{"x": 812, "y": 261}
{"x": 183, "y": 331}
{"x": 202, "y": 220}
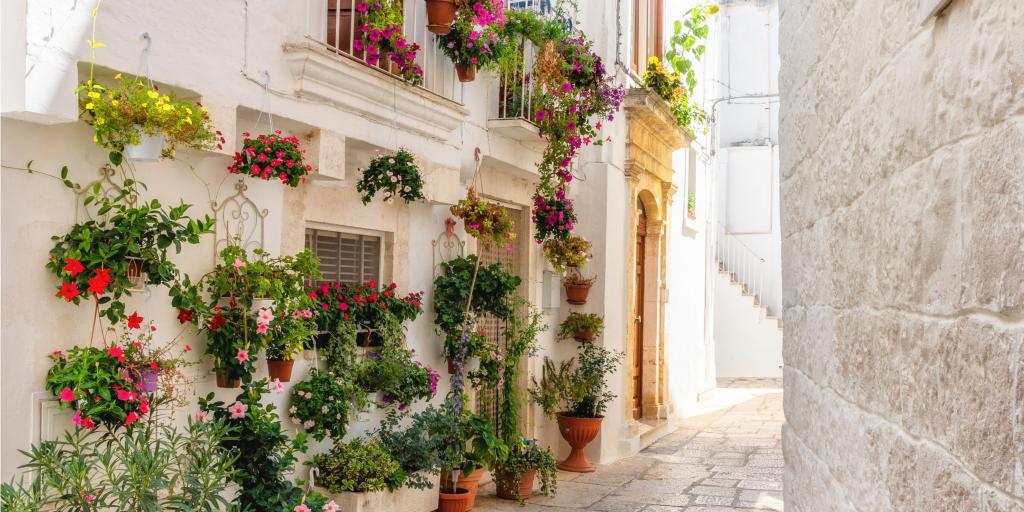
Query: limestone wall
{"x": 903, "y": 269}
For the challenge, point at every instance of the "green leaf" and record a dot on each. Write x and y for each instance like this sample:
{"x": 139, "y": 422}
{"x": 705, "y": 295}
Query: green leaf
{"x": 115, "y": 157}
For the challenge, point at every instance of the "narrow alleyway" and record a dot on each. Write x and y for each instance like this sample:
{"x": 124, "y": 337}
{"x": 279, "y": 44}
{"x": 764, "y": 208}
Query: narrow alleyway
{"x": 727, "y": 457}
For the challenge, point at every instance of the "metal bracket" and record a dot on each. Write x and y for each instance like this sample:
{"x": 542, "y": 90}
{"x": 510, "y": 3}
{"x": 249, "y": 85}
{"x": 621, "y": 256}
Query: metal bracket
{"x": 239, "y": 221}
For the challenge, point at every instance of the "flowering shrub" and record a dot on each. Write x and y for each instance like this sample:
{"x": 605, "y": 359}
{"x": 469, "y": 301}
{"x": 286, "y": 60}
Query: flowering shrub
{"x": 113, "y": 385}
{"x": 485, "y": 221}
{"x": 380, "y": 32}
{"x": 363, "y": 304}
{"x": 271, "y": 157}
{"x": 320, "y": 406}
{"x": 120, "y": 114}
{"x": 397, "y": 175}
{"x": 359, "y": 466}
{"x": 569, "y": 252}
{"x": 553, "y": 217}
{"x": 476, "y": 37}
{"x": 526, "y": 455}
{"x": 92, "y": 260}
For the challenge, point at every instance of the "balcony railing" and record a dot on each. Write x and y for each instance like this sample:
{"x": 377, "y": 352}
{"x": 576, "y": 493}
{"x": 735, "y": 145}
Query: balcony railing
{"x": 334, "y": 23}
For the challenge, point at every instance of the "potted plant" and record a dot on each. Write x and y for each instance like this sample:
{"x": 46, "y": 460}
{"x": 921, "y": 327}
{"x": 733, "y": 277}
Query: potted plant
{"x": 273, "y": 156}
{"x": 380, "y": 33}
{"x": 290, "y": 332}
{"x": 577, "y": 287}
{"x": 581, "y": 326}
{"x": 362, "y": 475}
{"x": 569, "y": 252}
{"x": 264, "y": 453}
{"x": 103, "y": 259}
{"x": 168, "y": 465}
{"x": 475, "y": 38}
{"x": 486, "y": 221}
{"x": 486, "y": 451}
{"x": 440, "y": 15}
{"x": 134, "y": 119}
{"x": 242, "y": 323}
{"x": 553, "y": 217}
{"x": 365, "y": 305}
{"x": 117, "y": 384}
{"x": 576, "y": 393}
{"x": 396, "y": 175}
{"x": 392, "y": 372}
{"x": 320, "y": 405}
{"x": 526, "y": 461}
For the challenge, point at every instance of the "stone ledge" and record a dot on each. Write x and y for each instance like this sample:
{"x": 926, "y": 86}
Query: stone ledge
{"x": 355, "y": 87}
{"x": 649, "y": 108}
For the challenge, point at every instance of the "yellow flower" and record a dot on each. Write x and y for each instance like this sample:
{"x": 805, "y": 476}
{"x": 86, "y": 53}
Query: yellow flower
{"x": 203, "y": 109}
{"x": 117, "y": 76}
{"x": 95, "y": 139}
{"x": 145, "y": 105}
{"x": 713, "y": 9}
{"x": 153, "y": 94}
{"x": 654, "y": 60}
{"x": 188, "y": 110}
{"x": 188, "y": 120}
{"x": 115, "y": 102}
{"x": 89, "y": 106}
{"x": 94, "y": 95}
{"x": 99, "y": 121}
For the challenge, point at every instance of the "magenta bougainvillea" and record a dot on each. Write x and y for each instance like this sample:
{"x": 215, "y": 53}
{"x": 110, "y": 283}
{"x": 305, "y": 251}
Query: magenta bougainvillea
{"x": 553, "y": 217}
{"x": 380, "y": 33}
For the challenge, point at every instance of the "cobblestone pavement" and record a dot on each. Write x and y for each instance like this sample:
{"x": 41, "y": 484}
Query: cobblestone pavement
{"x": 727, "y": 457}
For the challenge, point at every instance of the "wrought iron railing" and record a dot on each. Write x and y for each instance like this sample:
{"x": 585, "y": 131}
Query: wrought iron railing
{"x": 335, "y": 23}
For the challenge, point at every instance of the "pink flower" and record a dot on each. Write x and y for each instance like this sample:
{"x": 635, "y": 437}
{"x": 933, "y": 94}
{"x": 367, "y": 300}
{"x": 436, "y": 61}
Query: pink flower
{"x": 126, "y": 396}
{"x": 237, "y": 410}
{"x": 361, "y": 7}
{"x": 238, "y": 263}
{"x": 277, "y": 386}
{"x": 131, "y": 418}
{"x": 202, "y": 416}
{"x": 301, "y": 508}
{"x": 331, "y": 506}
{"x": 261, "y": 329}
{"x": 265, "y": 316}
{"x": 66, "y": 395}
{"x": 242, "y": 355}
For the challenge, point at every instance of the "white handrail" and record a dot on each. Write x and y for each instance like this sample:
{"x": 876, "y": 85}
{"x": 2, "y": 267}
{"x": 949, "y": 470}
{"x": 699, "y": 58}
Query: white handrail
{"x": 748, "y": 269}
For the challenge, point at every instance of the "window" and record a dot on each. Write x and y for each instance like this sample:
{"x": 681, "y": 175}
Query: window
{"x": 648, "y": 18}
{"x": 346, "y": 257}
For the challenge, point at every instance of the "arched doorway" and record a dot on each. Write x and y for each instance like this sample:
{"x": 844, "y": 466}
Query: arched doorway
{"x": 638, "y": 309}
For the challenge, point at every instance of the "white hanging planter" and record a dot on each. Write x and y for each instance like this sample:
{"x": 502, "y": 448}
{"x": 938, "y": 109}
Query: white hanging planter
{"x": 148, "y": 149}
{"x": 472, "y": 364}
{"x": 136, "y": 274}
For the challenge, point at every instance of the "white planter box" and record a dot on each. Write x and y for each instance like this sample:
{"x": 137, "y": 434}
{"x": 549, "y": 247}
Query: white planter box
{"x": 402, "y": 500}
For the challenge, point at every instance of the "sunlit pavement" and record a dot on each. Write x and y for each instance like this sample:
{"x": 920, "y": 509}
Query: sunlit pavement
{"x": 726, "y": 457}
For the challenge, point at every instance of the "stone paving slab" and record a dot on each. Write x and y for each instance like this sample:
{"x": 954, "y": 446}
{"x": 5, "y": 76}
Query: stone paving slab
{"x": 726, "y": 459}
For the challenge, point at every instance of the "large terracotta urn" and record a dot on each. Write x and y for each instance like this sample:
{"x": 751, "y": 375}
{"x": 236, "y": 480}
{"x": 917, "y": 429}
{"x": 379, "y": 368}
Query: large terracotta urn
{"x": 578, "y": 432}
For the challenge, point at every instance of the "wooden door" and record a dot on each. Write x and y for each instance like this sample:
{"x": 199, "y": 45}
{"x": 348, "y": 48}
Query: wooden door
{"x": 638, "y": 308}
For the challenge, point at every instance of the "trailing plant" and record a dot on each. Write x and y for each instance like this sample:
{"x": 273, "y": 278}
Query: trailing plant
{"x": 92, "y": 260}
{"x": 272, "y": 156}
{"x": 264, "y": 454}
{"x": 120, "y": 114}
{"x": 521, "y": 332}
{"x": 687, "y": 113}
{"x": 320, "y": 405}
{"x": 153, "y": 466}
{"x": 553, "y": 217}
{"x": 580, "y": 322}
{"x": 393, "y": 371}
{"x": 486, "y": 221}
{"x": 572, "y": 251}
{"x": 686, "y": 44}
{"x": 526, "y": 455}
{"x": 359, "y": 466}
{"x": 476, "y": 36}
{"x": 577, "y": 388}
{"x": 491, "y": 287}
{"x": 380, "y": 33}
{"x": 118, "y": 384}
{"x": 396, "y": 175}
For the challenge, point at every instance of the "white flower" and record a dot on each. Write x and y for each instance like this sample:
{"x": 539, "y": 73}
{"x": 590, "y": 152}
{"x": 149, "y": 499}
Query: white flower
{"x": 308, "y": 423}
{"x": 296, "y": 421}
{"x": 391, "y": 161}
{"x": 323, "y": 409}
{"x": 293, "y": 410}
{"x": 393, "y": 179}
{"x": 408, "y": 189}
{"x": 337, "y": 416}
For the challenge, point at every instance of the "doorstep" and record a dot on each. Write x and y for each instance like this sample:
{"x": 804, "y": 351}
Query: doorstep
{"x": 652, "y": 430}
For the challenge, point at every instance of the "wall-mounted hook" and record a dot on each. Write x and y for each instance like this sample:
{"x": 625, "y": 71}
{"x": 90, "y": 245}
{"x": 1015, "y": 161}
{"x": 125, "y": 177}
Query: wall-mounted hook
{"x": 149, "y": 41}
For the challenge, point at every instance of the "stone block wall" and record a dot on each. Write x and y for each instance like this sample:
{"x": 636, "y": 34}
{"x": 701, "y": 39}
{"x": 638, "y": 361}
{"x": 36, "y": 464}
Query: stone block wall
{"x": 902, "y": 161}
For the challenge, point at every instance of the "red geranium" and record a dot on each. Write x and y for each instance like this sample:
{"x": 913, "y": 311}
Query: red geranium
{"x": 271, "y": 156}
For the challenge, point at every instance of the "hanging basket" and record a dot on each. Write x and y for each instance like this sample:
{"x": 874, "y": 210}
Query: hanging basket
{"x": 148, "y": 149}
{"x": 440, "y": 16}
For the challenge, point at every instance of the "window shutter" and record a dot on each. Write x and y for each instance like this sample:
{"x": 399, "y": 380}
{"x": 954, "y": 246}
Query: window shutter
{"x": 345, "y": 257}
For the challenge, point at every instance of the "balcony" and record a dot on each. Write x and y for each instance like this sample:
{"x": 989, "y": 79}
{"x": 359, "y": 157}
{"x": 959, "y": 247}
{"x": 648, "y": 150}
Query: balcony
{"x": 329, "y": 66}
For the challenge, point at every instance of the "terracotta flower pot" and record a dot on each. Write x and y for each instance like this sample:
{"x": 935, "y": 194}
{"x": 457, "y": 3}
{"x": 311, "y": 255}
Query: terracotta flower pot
{"x": 453, "y": 502}
{"x": 451, "y": 367}
{"x": 470, "y": 482}
{"x": 577, "y": 293}
{"x": 584, "y": 335}
{"x": 440, "y": 16}
{"x": 466, "y": 73}
{"x": 224, "y": 382}
{"x": 280, "y": 369}
{"x": 578, "y": 432}
{"x": 511, "y": 489}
